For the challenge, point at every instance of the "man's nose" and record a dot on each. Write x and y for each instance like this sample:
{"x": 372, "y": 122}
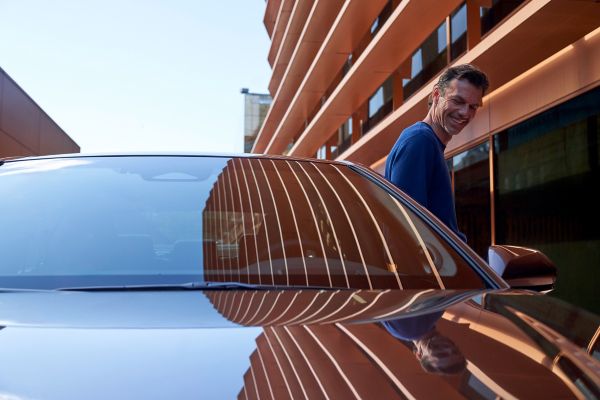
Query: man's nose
{"x": 466, "y": 111}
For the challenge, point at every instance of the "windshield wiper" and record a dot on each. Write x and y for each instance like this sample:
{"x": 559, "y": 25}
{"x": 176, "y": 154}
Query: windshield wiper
{"x": 24, "y": 290}
{"x": 196, "y": 286}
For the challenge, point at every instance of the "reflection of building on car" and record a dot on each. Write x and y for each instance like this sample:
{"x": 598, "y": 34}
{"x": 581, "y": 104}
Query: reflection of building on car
{"x": 493, "y": 355}
{"x": 436, "y": 352}
{"x": 299, "y": 262}
{"x": 304, "y": 222}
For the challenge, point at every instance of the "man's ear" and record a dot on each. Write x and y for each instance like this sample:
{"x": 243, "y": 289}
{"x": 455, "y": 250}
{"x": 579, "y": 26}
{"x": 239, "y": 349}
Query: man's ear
{"x": 435, "y": 95}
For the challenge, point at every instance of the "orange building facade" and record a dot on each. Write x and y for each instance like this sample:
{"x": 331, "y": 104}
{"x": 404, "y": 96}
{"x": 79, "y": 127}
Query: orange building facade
{"x": 349, "y": 76}
{"x": 25, "y": 129}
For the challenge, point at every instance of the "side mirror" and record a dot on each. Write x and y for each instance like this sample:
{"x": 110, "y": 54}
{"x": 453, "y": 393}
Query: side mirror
{"x": 523, "y": 268}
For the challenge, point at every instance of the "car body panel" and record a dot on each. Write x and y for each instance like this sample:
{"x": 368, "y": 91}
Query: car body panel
{"x": 104, "y": 258}
{"x": 161, "y": 344}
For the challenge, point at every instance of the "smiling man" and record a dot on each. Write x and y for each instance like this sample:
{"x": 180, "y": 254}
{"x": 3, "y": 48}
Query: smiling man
{"x": 416, "y": 163}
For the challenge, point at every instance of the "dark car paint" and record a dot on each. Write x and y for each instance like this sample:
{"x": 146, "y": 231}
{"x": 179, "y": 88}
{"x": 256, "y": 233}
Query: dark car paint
{"x": 73, "y": 345}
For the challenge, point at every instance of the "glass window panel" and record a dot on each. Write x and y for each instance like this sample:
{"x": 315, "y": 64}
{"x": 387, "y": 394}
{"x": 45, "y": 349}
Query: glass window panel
{"x": 546, "y": 175}
{"x": 490, "y": 17}
{"x": 380, "y": 104}
{"x": 442, "y": 39}
{"x": 375, "y": 102}
{"x": 472, "y": 196}
{"x": 416, "y": 63}
{"x": 255, "y": 111}
{"x": 322, "y": 152}
{"x": 458, "y": 32}
{"x": 375, "y": 25}
{"x": 473, "y": 388}
{"x": 458, "y": 21}
{"x": 427, "y": 61}
{"x": 331, "y": 227}
{"x": 359, "y": 193}
{"x": 344, "y": 137}
{"x": 381, "y": 18}
{"x": 140, "y": 220}
{"x": 113, "y": 219}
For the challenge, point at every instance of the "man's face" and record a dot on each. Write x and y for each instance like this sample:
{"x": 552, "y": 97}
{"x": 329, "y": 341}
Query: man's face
{"x": 457, "y": 106}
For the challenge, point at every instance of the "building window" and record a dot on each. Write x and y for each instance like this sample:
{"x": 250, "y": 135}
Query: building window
{"x": 416, "y": 63}
{"x": 344, "y": 138}
{"x": 347, "y": 65}
{"x": 500, "y": 9}
{"x": 381, "y": 18}
{"x": 377, "y": 101}
{"x": 322, "y": 152}
{"x": 427, "y": 61}
{"x": 472, "y": 196}
{"x": 546, "y": 177}
{"x": 458, "y": 32}
{"x": 442, "y": 39}
{"x": 473, "y": 388}
{"x": 380, "y": 104}
{"x": 256, "y": 107}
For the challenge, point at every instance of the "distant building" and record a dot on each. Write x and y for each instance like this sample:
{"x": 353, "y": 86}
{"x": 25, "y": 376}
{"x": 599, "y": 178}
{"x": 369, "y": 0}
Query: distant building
{"x": 349, "y": 76}
{"x": 25, "y": 129}
{"x": 256, "y": 106}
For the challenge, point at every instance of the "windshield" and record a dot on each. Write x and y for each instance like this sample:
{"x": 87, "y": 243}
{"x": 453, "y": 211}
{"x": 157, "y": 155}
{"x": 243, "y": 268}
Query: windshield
{"x": 94, "y": 221}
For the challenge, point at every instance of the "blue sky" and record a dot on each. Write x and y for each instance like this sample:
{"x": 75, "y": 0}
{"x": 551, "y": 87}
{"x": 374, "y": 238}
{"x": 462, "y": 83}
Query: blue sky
{"x": 139, "y": 75}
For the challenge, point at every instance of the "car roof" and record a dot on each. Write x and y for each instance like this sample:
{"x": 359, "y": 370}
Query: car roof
{"x": 174, "y": 154}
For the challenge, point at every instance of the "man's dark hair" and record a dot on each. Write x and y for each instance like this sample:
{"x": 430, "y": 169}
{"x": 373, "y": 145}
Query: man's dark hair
{"x": 469, "y": 72}
{"x": 443, "y": 356}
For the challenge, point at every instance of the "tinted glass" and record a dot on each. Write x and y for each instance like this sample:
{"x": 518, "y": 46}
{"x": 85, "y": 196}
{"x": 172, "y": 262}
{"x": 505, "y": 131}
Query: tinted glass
{"x": 344, "y": 138}
{"x": 320, "y": 224}
{"x": 380, "y": 104}
{"x": 472, "y": 195}
{"x": 256, "y": 107}
{"x": 429, "y": 59}
{"x": 500, "y": 9}
{"x": 458, "y": 32}
{"x": 136, "y": 220}
{"x": 116, "y": 216}
{"x": 547, "y": 172}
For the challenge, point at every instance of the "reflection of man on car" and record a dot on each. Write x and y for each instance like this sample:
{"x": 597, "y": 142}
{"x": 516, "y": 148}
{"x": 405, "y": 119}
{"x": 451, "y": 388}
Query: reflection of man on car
{"x": 436, "y": 353}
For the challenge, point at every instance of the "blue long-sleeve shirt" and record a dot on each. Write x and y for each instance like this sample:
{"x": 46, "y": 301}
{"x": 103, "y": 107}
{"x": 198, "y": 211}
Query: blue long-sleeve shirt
{"x": 417, "y": 166}
{"x": 412, "y": 328}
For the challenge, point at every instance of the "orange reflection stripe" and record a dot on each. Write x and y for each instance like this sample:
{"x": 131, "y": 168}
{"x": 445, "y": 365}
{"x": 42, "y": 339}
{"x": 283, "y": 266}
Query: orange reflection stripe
{"x": 285, "y": 352}
{"x": 349, "y": 223}
{"x": 262, "y": 212}
{"x": 253, "y": 225}
{"x": 334, "y": 361}
{"x": 294, "y": 218}
{"x": 287, "y": 273}
{"x": 233, "y": 214}
{"x": 385, "y": 245}
{"x": 312, "y": 370}
{"x": 312, "y": 211}
{"x": 287, "y": 385}
{"x": 337, "y": 243}
{"x": 243, "y": 212}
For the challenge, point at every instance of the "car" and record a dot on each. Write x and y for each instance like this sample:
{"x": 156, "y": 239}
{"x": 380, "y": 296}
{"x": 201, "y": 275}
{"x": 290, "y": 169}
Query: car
{"x": 181, "y": 276}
